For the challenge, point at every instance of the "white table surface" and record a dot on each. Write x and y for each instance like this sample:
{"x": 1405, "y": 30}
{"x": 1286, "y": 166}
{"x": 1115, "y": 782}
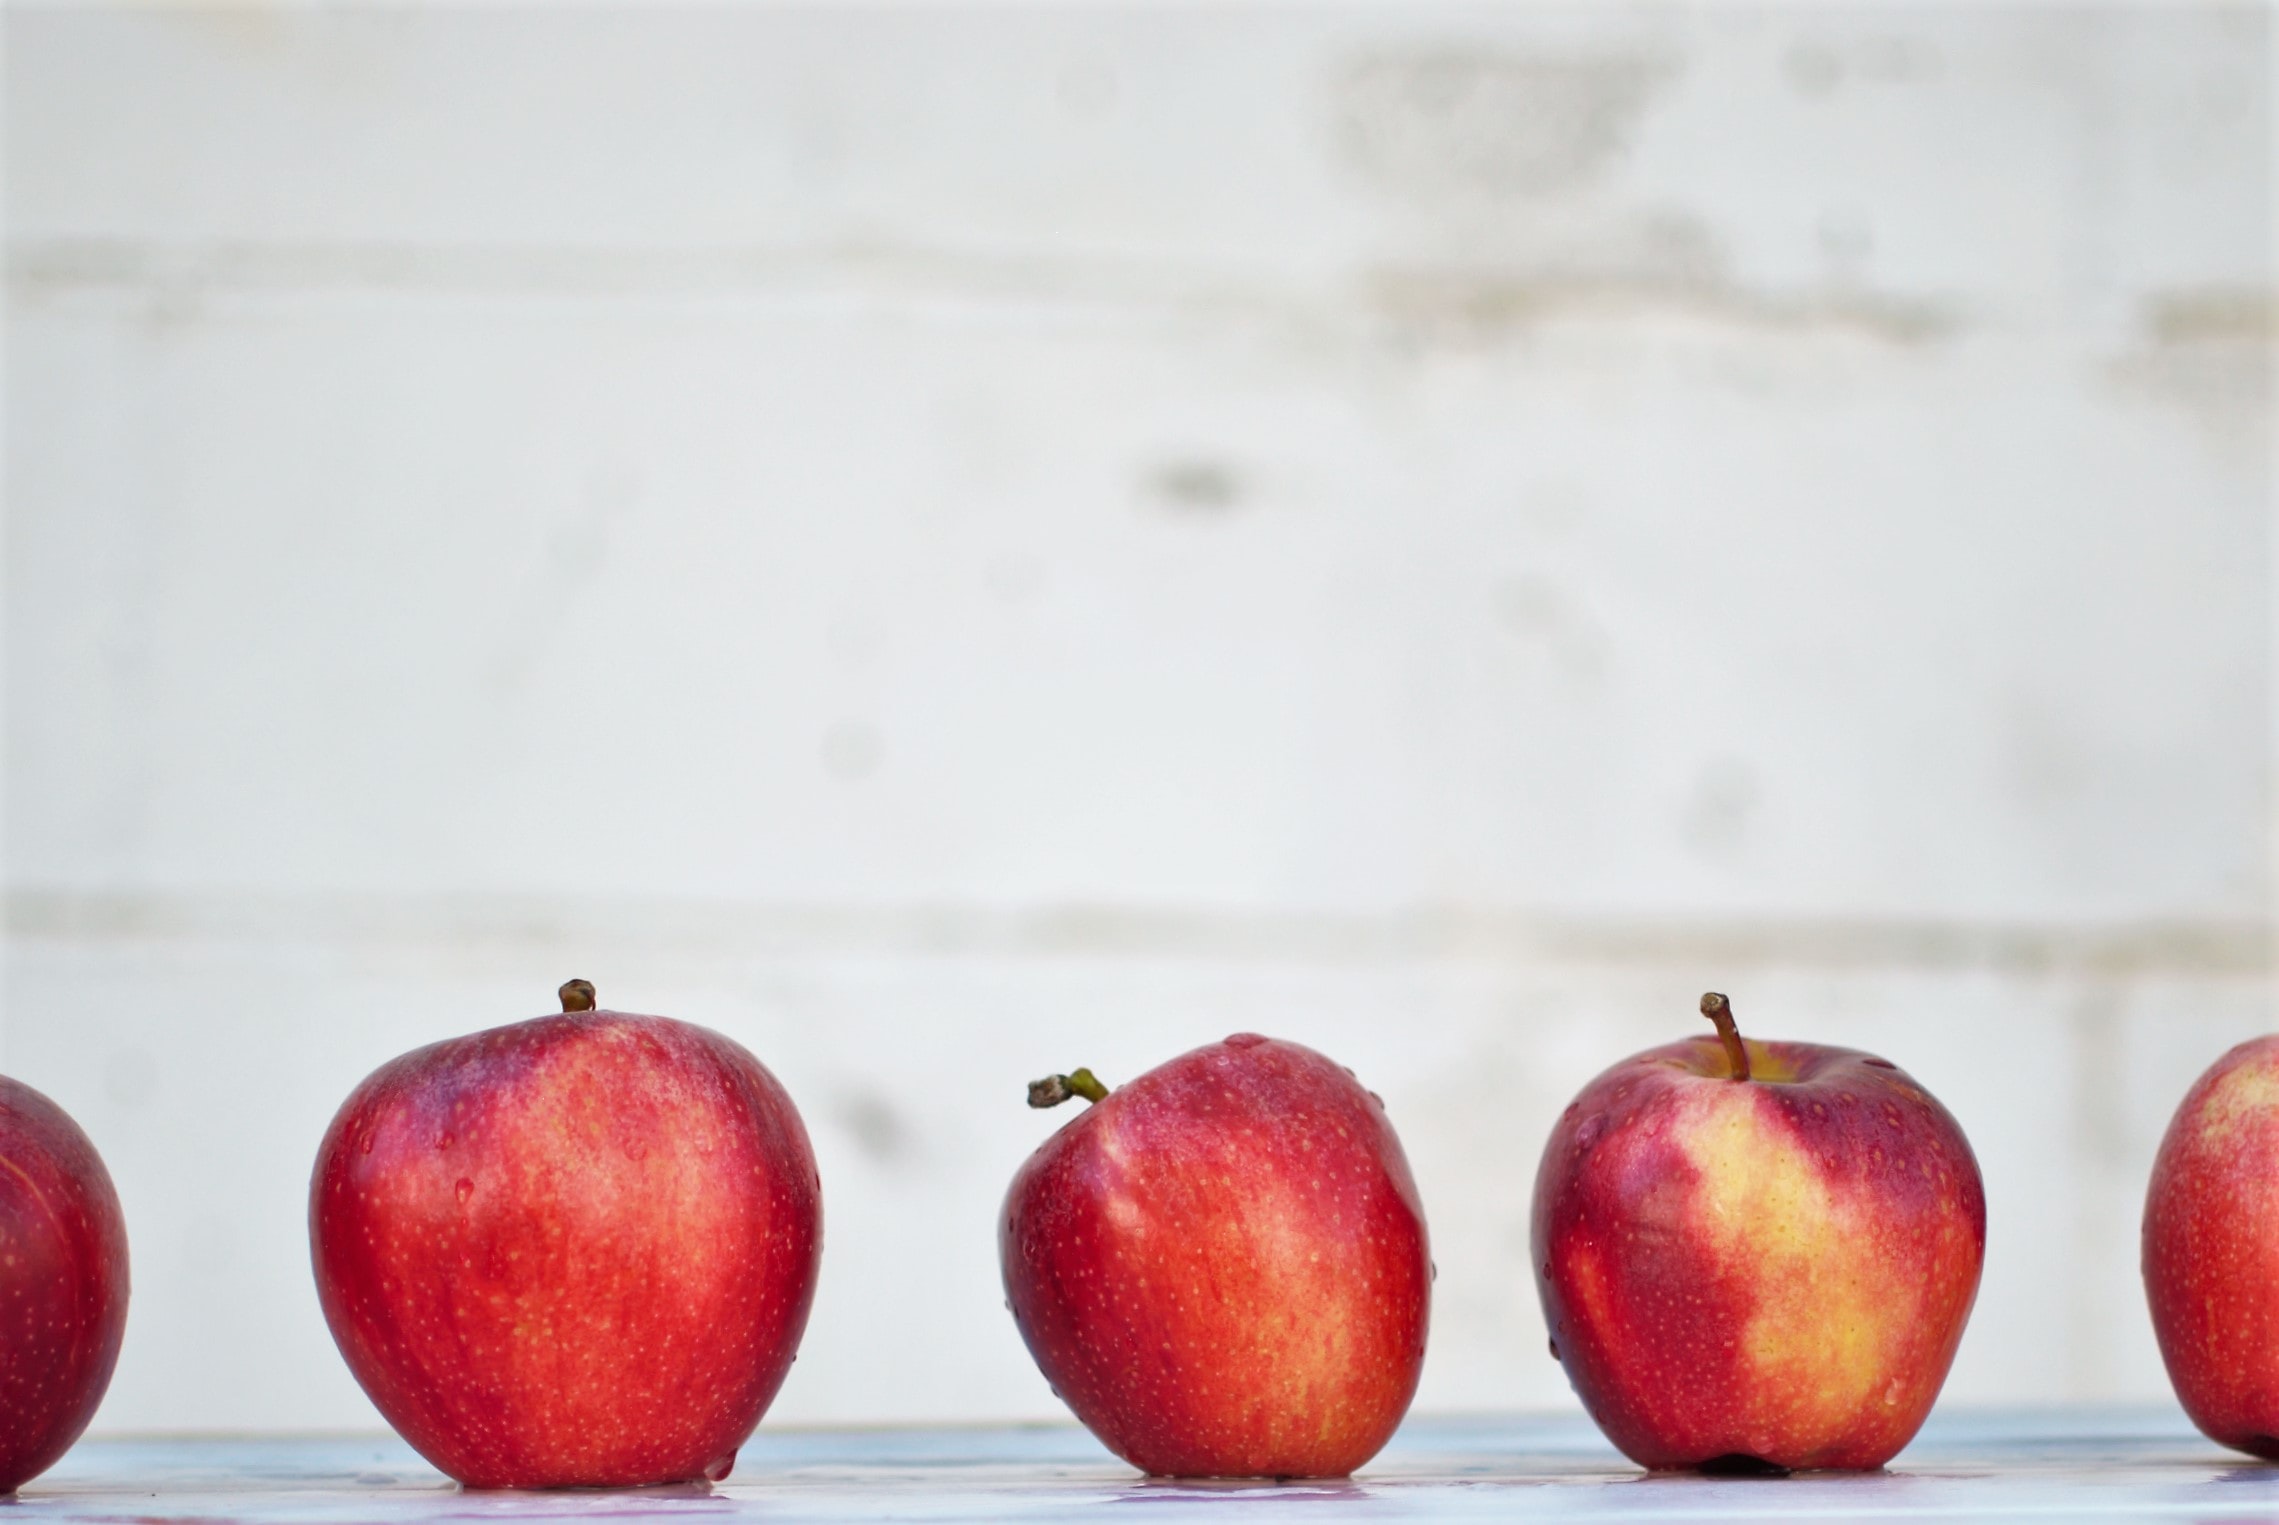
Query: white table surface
{"x": 2098, "y": 1464}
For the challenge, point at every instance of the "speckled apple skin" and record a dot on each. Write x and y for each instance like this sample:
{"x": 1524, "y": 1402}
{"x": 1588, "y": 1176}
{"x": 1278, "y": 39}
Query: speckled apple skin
{"x": 1222, "y": 1267}
{"x": 2211, "y": 1250}
{"x": 63, "y": 1283}
{"x": 1777, "y": 1269}
{"x": 577, "y": 1251}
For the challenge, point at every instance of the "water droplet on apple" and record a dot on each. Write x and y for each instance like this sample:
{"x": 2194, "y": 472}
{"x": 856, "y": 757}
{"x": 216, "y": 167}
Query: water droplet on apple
{"x": 720, "y": 1467}
{"x": 1554, "y": 1350}
{"x": 465, "y": 1189}
{"x": 446, "y": 1141}
{"x": 1379, "y": 1100}
{"x": 1244, "y": 1040}
{"x": 364, "y": 1144}
{"x": 1881, "y": 1064}
{"x": 1587, "y": 1134}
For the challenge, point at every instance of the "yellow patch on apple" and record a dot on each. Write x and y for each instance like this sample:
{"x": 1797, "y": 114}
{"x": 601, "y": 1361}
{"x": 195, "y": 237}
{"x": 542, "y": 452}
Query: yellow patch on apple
{"x": 1828, "y": 1317}
{"x": 2249, "y": 1093}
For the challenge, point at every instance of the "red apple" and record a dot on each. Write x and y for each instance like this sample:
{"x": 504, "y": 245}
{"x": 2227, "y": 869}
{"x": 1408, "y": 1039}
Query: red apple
{"x": 576, "y": 1251}
{"x": 63, "y": 1283}
{"x": 2211, "y": 1250}
{"x": 1757, "y": 1255}
{"x": 1221, "y": 1267}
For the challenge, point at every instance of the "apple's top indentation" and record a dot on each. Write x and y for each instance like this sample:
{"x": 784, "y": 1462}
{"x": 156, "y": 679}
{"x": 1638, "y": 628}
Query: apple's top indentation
{"x": 577, "y": 995}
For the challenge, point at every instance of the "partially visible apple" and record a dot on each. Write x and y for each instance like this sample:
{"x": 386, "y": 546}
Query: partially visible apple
{"x": 1221, "y": 1266}
{"x": 1757, "y": 1256}
{"x": 578, "y": 1250}
{"x": 63, "y": 1283}
{"x": 2211, "y": 1250}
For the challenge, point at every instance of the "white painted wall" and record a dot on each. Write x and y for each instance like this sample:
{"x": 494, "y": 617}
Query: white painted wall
{"x": 952, "y": 544}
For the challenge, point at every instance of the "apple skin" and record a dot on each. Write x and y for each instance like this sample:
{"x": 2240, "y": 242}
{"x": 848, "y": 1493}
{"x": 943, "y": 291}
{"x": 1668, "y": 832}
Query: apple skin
{"x": 575, "y": 1251}
{"x": 63, "y": 1283}
{"x": 2211, "y": 1250}
{"x": 1773, "y": 1271}
{"x": 1222, "y": 1266}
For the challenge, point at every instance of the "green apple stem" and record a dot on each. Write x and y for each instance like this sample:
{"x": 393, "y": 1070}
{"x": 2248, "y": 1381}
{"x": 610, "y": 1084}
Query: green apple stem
{"x": 1719, "y": 1010}
{"x": 1055, "y": 1089}
{"x": 577, "y": 995}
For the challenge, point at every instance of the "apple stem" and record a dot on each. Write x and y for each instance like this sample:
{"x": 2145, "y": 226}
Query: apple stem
{"x": 1719, "y": 1010}
{"x": 1055, "y": 1089}
{"x": 577, "y": 995}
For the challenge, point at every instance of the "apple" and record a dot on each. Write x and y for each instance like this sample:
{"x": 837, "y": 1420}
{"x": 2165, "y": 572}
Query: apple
{"x": 1757, "y": 1256}
{"x": 63, "y": 1283}
{"x": 574, "y": 1251}
{"x": 1221, "y": 1266}
{"x": 2211, "y": 1250}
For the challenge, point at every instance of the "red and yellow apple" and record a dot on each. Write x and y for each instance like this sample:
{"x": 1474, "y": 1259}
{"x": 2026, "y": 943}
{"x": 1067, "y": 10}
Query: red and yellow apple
{"x": 63, "y": 1283}
{"x": 578, "y": 1250}
{"x": 1221, "y": 1266}
{"x": 2211, "y": 1250}
{"x": 1757, "y": 1255}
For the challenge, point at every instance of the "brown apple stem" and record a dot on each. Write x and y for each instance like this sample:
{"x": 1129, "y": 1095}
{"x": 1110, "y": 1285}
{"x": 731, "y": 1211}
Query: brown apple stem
{"x": 577, "y": 995}
{"x": 1055, "y": 1089}
{"x": 1719, "y": 1010}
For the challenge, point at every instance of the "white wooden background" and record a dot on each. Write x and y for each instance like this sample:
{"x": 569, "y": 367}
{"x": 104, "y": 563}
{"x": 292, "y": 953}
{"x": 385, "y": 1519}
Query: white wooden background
{"x": 949, "y": 544}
